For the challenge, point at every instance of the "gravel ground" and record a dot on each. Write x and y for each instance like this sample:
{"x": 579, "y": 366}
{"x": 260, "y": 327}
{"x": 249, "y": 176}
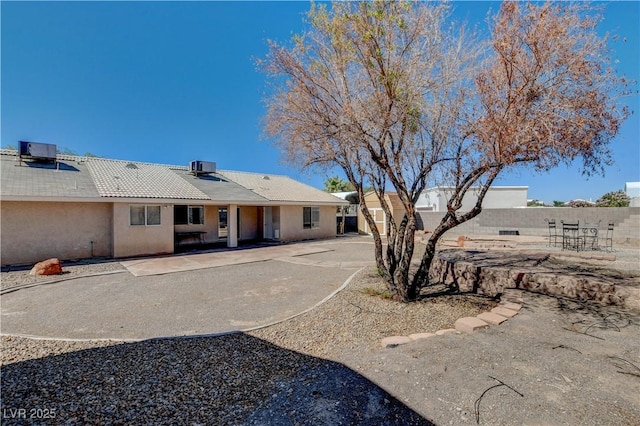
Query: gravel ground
{"x": 327, "y": 367}
{"x": 19, "y": 276}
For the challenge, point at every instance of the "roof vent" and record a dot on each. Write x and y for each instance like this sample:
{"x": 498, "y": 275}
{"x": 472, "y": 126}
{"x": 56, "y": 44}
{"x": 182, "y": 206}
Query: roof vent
{"x": 202, "y": 167}
{"x": 37, "y": 151}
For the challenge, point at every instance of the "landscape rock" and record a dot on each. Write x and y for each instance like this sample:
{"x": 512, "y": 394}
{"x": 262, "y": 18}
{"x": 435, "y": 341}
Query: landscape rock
{"x": 446, "y": 331}
{"x": 419, "y": 336}
{"x": 470, "y": 324}
{"x": 507, "y": 313}
{"x": 492, "y": 318}
{"x": 51, "y": 266}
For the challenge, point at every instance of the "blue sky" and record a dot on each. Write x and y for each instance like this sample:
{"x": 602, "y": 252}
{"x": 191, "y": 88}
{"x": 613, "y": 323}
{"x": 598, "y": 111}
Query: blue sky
{"x": 171, "y": 82}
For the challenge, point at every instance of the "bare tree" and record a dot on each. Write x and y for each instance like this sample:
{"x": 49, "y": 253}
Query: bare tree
{"x": 394, "y": 95}
{"x": 548, "y": 95}
{"x": 367, "y": 89}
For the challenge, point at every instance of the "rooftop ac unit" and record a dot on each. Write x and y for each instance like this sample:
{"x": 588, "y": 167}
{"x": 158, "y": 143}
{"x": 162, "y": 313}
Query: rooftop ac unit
{"x": 202, "y": 167}
{"x": 37, "y": 151}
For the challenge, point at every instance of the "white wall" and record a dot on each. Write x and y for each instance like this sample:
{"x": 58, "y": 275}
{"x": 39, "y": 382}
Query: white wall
{"x": 498, "y": 197}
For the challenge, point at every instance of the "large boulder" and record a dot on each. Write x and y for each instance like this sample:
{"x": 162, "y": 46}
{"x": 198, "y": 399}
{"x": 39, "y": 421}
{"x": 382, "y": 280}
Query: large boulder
{"x": 47, "y": 267}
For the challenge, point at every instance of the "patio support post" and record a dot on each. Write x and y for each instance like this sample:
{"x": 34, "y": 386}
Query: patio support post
{"x": 232, "y": 225}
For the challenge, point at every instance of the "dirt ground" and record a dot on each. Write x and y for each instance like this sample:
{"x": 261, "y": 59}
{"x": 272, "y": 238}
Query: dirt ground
{"x": 558, "y": 362}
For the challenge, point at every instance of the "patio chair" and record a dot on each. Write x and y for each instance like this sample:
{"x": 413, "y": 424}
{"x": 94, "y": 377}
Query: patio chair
{"x": 553, "y": 232}
{"x": 608, "y": 238}
{"x": 590, "y": 235}
{"x": 571, "y": 238}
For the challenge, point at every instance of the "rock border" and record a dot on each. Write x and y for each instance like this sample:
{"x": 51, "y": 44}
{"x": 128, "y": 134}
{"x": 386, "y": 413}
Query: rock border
{"x": 511, "y": 301}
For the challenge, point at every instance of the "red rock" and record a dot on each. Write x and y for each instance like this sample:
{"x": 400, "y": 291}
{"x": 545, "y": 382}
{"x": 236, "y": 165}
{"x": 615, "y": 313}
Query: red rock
{"x": 461, "y": 240}
{"x": 47, "y": 267}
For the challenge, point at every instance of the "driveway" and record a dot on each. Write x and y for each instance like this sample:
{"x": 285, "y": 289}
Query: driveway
{"x": 197, "y": 294}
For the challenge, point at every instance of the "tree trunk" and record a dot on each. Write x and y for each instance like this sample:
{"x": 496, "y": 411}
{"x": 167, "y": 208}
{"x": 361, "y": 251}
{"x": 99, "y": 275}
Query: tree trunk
{"x": 380, "y": 263}
{"x": 421, "y": 277}
{"x": 404, "y": 289}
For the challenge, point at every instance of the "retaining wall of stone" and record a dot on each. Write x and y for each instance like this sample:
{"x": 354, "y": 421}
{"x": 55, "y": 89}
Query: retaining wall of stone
{"x": 491, "y": 273}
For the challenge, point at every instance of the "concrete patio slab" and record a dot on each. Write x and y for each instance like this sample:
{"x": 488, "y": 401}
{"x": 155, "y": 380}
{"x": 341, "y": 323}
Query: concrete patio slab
{"x": 185, "y": 295}
{"x": 189, "y": 262}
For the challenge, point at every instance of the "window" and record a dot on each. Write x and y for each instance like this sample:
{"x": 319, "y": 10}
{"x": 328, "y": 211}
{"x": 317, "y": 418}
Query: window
{"x": 144, "y": 215}
{"x": 196, "y": 215}
{"x": 188, "y": 215}
{"x": 310, "y": 217}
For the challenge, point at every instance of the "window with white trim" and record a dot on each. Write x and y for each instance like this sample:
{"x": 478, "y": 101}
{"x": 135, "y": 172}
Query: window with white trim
{"x": 311, "y": 217}
{"x": 144, "y": 215}
{"x": 188, "y": 215}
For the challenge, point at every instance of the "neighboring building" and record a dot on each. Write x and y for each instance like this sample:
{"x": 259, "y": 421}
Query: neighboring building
{"x": 497, "y": 197}
{"x": 632, "y": 189}
{"x": 379, "y": 216}
{"x": 80, "y": 207}
{"x": 435, "y": 200}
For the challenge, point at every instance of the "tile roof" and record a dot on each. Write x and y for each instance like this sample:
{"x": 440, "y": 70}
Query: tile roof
{"x": 281, "y": 188}
{"x": 219, "y": 188}
{"x": 99, "y": 178}
{"x": 68, "y": 178}
{"x": 117, "y": 178}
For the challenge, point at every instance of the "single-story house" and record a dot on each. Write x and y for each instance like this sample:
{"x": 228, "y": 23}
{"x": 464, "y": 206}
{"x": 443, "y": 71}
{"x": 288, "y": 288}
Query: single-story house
{"x": 74, "y": 207}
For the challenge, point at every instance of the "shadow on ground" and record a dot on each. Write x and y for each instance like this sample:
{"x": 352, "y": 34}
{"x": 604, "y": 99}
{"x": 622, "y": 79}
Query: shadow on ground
{"x": 233, "y": 379}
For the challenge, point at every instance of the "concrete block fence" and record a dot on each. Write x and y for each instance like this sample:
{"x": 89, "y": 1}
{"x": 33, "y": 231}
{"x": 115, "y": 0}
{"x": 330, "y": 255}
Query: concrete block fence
{"x": 530, "y": 221}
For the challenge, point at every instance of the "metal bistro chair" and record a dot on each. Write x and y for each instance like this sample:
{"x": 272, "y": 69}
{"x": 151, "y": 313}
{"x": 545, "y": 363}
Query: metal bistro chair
{"x": 553, "y": 232}
{"x": 571, "y": 239}
{"x": 608, "y": 238}
{"x": 590, "y": 235}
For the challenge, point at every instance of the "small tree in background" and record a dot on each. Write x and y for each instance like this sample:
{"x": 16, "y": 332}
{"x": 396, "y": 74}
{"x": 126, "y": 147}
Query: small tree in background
{"x": 335, "y": 184}
{"x": 580, "y": 203}
{"x": 613, "y": 199}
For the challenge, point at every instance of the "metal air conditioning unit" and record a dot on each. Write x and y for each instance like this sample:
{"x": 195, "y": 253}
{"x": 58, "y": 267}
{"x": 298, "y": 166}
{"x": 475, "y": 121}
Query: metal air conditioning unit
{"x": 37, "y": 151}
{"x": 202, "y": 167}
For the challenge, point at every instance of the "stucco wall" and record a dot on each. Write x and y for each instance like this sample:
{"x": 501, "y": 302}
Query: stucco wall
{"x": 248, "y": 223}
{"x": 531, "y": 221}
{"x": 34, "y": 231}
{"x": 138, "y": 240}
{"x": 291, "y": 224}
